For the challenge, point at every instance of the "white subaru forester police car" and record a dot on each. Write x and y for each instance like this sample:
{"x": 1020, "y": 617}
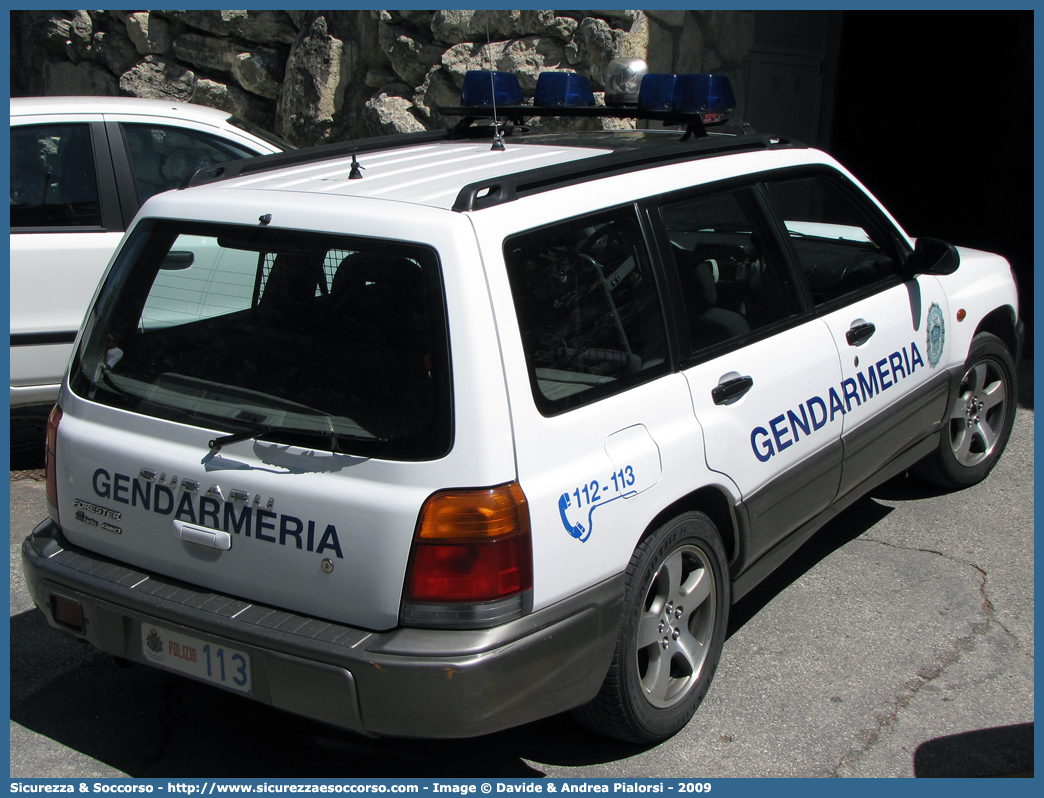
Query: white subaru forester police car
{"x": 436, "y": 434}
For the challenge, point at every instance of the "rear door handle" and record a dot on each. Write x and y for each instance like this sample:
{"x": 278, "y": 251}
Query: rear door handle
{"x": 860, "y": 333}
{"x": 211, "y": 538}
{"x": 728, "y": 391}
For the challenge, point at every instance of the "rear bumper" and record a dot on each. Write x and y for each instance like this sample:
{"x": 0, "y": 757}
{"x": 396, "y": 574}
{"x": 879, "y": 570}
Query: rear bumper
{"x": 406, "y": 682}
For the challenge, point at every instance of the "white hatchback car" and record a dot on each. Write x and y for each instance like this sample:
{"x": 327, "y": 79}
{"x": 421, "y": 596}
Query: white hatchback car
{"x": 441, "y": 433}
{"x": 80, "y": 169}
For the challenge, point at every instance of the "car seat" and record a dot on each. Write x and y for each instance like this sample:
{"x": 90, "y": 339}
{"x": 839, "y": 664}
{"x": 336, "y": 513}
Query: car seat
{"x": 708, "y": 324}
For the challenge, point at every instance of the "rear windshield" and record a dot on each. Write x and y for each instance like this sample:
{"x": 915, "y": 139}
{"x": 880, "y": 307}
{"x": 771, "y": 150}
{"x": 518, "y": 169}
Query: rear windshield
{"x": 329, "y": 342}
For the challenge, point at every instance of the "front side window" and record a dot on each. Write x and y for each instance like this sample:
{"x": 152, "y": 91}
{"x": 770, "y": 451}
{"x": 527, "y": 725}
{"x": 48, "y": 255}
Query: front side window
{"x": 842, "y": 249}
{"x": 327, "y": 342}
{"x": 162, "y": 157}
{"x": 53, "y": 182}
{"x": 587, "y": 308}
{"x": 733, "y": 280}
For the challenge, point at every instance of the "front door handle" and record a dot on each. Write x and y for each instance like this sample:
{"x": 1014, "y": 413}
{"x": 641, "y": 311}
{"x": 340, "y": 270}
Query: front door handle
{"x": 728, "y": 391}
{"x": 860, "y": 333}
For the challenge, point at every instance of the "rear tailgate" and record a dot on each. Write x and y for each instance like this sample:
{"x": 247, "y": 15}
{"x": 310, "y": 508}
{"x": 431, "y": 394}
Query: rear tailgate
{"x": 323, "y": 534}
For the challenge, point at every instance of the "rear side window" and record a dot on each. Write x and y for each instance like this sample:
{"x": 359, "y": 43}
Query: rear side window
{"x": 841, "y": 246}
{"x": 587, "y": 307}
{"x": 327, "y": 342}
{"x": 162, "y": 157}
{"x": 53, "y": 181}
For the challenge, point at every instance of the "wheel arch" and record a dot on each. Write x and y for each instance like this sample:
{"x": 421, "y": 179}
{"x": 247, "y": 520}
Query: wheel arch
{"x": 716, "y": 502}
{"x": 1002, "y": 323}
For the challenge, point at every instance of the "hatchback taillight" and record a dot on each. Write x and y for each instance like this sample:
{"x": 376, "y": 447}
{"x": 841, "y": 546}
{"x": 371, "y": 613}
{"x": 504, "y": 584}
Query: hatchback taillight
{"x": 472, "y": 563}
{"x": 49, "y": 462}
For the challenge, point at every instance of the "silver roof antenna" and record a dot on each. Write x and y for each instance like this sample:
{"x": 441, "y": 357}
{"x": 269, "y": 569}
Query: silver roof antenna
{"x": 355, "y": 173}
{"x": 498, "y": 133}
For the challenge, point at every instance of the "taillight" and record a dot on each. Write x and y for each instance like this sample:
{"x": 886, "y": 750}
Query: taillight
{"x": 49, "y": 462}
{"x": 472, "y": 563}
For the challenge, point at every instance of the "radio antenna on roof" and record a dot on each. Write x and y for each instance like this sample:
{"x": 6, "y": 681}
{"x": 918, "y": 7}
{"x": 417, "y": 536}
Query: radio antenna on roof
{"x": 355, "y": 173}
{"x": 498, "y": 134}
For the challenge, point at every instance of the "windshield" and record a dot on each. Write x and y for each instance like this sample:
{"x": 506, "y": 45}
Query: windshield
{"x": 328, "y": 342}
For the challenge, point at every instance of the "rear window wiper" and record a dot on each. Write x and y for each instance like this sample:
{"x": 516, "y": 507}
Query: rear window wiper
{"x": 262, "y": 430}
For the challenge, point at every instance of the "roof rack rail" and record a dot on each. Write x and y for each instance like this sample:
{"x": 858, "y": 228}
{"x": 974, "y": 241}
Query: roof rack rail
{"x": 496, "y": 191}
{"x": 323, "y": 152}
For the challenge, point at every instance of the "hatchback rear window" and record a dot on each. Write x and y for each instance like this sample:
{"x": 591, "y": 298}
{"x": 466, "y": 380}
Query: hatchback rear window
{"x": 328, "y": 342}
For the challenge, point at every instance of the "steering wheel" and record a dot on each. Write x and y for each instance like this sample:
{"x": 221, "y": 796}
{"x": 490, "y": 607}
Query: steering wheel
{"x": 855, "y": 272}
{"x": 606, "y": 231}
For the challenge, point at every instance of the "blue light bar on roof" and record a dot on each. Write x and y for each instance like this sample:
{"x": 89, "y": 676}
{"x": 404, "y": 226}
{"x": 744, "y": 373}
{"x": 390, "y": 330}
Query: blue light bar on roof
{"x": 482, "y": 88}
{"x": 710, "y": 96}
{"x": 656, "y": 92}
{"x": 563, "y": 89}
{"x": 701, "y": 93}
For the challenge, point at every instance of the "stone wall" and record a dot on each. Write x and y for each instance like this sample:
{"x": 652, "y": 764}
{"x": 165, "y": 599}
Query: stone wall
{"x": 315, "y": 76}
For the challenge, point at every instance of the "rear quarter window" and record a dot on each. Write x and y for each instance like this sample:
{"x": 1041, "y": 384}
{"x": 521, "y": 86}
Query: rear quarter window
{"x": 588, "y": 309}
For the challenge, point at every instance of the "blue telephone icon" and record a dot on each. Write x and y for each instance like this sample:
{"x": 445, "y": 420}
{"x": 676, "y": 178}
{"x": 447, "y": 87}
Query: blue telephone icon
{"x": 577, "y": 530}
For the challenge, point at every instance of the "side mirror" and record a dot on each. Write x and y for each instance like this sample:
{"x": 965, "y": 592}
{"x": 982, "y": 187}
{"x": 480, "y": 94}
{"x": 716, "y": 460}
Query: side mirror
{"x": 932, "y": 256}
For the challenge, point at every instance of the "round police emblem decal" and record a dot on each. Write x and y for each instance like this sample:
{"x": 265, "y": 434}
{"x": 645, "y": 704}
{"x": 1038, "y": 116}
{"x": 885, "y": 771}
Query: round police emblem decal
{"x": 936, "y": 335}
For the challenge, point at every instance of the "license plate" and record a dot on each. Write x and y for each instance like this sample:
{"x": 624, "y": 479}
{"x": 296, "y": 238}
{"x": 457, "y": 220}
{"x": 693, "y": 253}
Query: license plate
{"x": 208, "y": 661}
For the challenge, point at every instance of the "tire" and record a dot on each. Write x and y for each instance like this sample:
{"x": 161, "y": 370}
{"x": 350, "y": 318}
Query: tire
{"x": 676, "y": 603}
{"x": 980, "y": 419}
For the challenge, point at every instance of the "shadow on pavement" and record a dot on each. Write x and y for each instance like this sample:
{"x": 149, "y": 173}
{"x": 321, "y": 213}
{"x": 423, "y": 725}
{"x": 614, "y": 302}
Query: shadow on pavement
{"x": 27, "y": 442}
{"x": 1003, "y": 751}
{"x": 1025, "y": 377}
{"x": 846, "y": 527}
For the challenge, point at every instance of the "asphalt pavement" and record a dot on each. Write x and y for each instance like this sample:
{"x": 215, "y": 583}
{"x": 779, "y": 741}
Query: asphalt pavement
{"x": 897, "y": 642}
